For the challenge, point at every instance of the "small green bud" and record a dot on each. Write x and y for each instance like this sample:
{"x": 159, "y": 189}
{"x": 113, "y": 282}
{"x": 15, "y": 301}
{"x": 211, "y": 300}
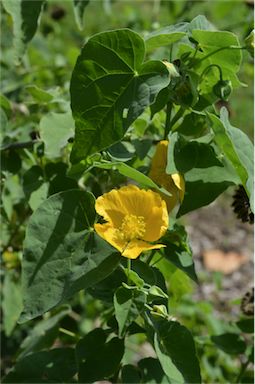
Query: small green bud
{"x": 159, "y": 311}
{"x": 10, "y": 259}
{"x": 249, "y": 43}
{"x": 223, "y": 89}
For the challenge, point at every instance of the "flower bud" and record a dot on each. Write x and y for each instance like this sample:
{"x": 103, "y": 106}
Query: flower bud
{"x": 223, "y": 89}
{"x": 10, "y": 259}
{"x": 171, "y": 69}
{"x": 159, "y": 311}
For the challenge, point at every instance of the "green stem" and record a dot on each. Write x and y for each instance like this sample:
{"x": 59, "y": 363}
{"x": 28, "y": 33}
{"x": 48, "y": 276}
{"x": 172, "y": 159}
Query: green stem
{"x": 26, "y": 144}
{"x": 214, "y": 52}
{"x": 208, "y": 68}
{"x": 177, "y": 116}
{"x": 66, "y": 332}
{"x": 168, "y": 119}
{"x": 150, "y": 257}
{"x": 129, "y": 267}
{"x": 242, "y": 371}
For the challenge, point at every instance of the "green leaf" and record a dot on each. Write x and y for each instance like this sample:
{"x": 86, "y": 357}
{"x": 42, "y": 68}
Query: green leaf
{"x": 227, "y": 146}
{"x": 230, "y": 343}
{"x": 146, "y": 272}
{"x": 61, "y": 253}
{"x": 105, "y": 289}
{"x": 12, "y": 301}
{"x": 193, "y": 124}
{"x": 180, "y": 285}
{"x": 79, "y": 7}
{"x": 209, "y": 41}
{"x": 55, "y": 130}
{"x": 200, "y": 22}
{"x": 134, "y": 278}
{"x": 207, "y": 174}
{"x": 122, "y": 151}
{"x": 176, "y": 352}
{"x": 130, "y": 374}
{"x": 43, "y": 334}
{"x": 120, "y": 86}
{"x": 165, "y": 36}
{"x": 25, "y": 15}
{"x": 128, "y": 305}
{"x": 152, "y": 372}
{"x": 178, "y": 251}
{"x": 167, "y": 365}
{"x": 131, "y": 173}
{"x": 10, "y": 161}
{"x": 5, "y": 104}
{"x": 97, "y": 358}
{"x": 244, "y": 149}
{"x": 34, "y": 186}
{"x": 246, "y": 325}
{"x": 39, "y": 94}
{"x": 56, "y": 365}
{"x": 228, "y": 59}
{"x": 155, "y": 291}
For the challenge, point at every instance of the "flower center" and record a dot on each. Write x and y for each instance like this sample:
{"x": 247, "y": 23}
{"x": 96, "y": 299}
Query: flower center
{"x": 132, "y": 227}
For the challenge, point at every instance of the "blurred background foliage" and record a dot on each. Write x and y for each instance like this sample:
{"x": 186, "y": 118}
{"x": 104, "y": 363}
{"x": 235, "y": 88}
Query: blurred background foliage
{"x": 40, "y": 84}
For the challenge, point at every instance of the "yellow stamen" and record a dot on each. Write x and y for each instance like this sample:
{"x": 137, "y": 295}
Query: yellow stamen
{"x": 132, "y": 227}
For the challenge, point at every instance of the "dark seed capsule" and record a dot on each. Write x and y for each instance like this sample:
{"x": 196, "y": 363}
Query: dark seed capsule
{"x": 241, "y": 206}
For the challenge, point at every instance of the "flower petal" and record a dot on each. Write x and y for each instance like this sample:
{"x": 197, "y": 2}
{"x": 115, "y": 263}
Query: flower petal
{"x": 136, "y": 247}
{"x": 108, "y": 233}
{"x": 109, "y": 205}
{"x": 156, "y": 223}
{"x": 150, "y": 206}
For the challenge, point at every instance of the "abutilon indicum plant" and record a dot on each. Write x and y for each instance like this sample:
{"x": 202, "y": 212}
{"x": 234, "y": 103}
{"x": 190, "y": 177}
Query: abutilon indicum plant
{"x": 144, "y": 144}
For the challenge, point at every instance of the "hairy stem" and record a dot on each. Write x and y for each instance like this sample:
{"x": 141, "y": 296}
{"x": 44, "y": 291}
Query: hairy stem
{"x": 168, "y": 119}
{"x": 214, "y": 52}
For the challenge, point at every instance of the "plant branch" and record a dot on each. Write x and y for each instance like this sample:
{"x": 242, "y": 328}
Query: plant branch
{"x": 25, "y": 144}
{"x": 214, "y": 52}
{"x": 242, "y": 371}
{"x": 168, "y": 119}
{"x": 177, "y": 116}
{"x": 129, "y": 269}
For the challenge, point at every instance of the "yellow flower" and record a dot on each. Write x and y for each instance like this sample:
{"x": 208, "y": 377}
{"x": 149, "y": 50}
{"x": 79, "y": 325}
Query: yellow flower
{"x": 134, "y": 218}
{"x": 172, "y": 183}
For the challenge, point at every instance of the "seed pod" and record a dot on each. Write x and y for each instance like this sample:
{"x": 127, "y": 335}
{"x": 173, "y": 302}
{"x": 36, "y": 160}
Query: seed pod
{"x": 247, "y": 303}
{"x": 242, "y": 207}
{"x": 223, "y": 89}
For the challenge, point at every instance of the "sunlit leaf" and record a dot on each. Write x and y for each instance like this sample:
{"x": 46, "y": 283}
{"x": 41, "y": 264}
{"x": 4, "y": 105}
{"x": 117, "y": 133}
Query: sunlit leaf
{"x": 175, "y": 349}
{"x": 110, "y": 87}
{"x": 25, "y": 15}
{"x": 62, "y": 253}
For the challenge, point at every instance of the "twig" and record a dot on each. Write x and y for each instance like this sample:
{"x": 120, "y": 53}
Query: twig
{"x": 25, "y": 144}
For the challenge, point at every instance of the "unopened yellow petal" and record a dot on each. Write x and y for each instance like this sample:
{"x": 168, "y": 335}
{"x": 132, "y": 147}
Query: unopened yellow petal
{"x": 174, "y": 183}
{"x": 180, "y": 184}
{"x": 157, "y": 223}
{"x": 136, "y": 247}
